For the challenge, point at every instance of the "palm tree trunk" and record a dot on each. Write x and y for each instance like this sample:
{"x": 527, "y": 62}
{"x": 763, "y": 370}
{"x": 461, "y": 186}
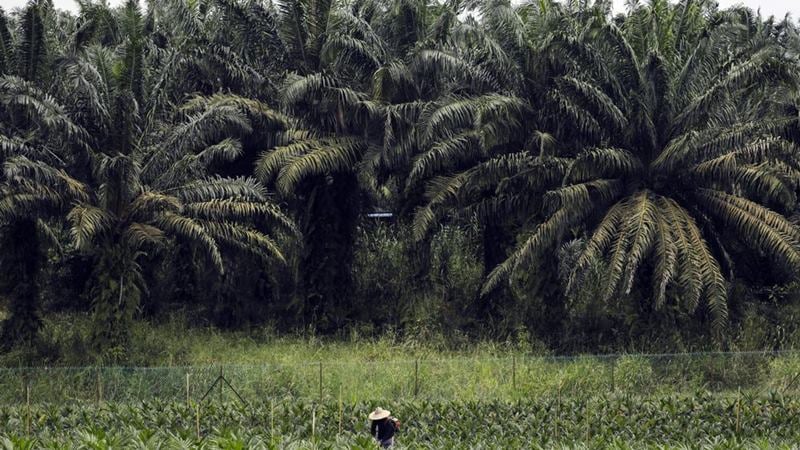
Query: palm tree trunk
{"x": 328, "y": 225}
{"x": 21, "y": 262}
{"x": 116, "y": 296}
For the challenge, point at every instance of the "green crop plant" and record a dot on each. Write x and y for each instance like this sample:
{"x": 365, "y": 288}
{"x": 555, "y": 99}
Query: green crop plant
{"x": 704, "y": 420}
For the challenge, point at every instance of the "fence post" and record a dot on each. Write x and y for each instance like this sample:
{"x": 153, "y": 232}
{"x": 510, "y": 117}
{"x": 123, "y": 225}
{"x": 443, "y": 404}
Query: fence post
{"x": 514, "y": 372}
{"x": 187, "y": 388}
{"x": 28, "y": 401}
{"x": 320, "y": 381}
{"x": 99, "y": 386}
{"x": 558, "y": 410}
{"x": 738, "y": 410}
{"x": 613, "y": 388}
{"x": 313, "y": 422}
{"x": 272, "y": 423}
{"x": 341, "y": 409}
{"x": 197, "y": 419}
{"x": 26, "y": 381}
{"x": 416, "y": 377}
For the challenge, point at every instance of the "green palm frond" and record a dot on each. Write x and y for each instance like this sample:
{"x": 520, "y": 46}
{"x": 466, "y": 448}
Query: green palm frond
{"x": 220, "y": 210}
{"x": 139, "y": 235}
{"x": 342, "y": 50}
{"x": 28, "y": 203}
{"x": 150, "y": 203}
{"x": 443, "y": 64}
{"x": 598, "y": 99}
{"x": 715, "y": 291}
{"x": 246, "y": 239}
{"x": 87, "y": 222}
{"x": 32, "y": 46}
{"x": 665, "y": 252}
{"x": 328, "y": 156}
{"x": 441, "y": 192}
{"x": 580, "y": 115}
{"x": 7, "y": 61}
{"x": 227, "y": 150}
{"x": 599, "y": 190}
{"x": 761, "y": 228}
{"x": 645, "y": 223}
{"x": 294, "y": 30}
{"x": 255, "y": 109}
{"x": 603, "y": 162}
{"x": 696, "y": 146}
{"x": 14, "y": 146}
{"x": 270, "y": 162}
{"x": 22, "y": 168}
{"x": 392, "y": 80}
{"x": 308, "y": 87}
{"x": 41, "y": 108}
{"x": 191, "y": 230}
{"x": 600, "y": 240}
{"x": 449, "y": 153}
{"x": 546, "y": 235}
{"x": 763, "y": 63}
{"x": 216, "y": 188}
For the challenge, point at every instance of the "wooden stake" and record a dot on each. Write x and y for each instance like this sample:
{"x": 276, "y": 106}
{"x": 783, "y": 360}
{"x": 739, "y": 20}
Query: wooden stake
{"x": 514, "y": 372}
{"x": 612, "y": 375}
{"x": 341, "y": 409}
{"x": 320, "y": 381}
{"x": 187, "y": 388}
{"x": 738, "y": 411}
{"x": 313, "y": 423}
{"x": 416, "y": 377}
{"x": 28, "y": 396}
{"x": 99, "y": 387}
{"x": 197, "y": 420}
{"x": 272, "y": 423}
{"x": 558, "y": 409}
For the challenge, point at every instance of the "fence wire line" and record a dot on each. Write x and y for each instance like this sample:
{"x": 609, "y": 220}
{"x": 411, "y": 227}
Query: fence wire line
{"x": 519, "y": 357}
{"x": 457, "y": 378}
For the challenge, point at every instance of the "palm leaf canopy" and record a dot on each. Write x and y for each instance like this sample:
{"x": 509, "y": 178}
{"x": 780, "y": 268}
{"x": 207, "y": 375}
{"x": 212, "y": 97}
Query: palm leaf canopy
{"x": 660, "y": 146}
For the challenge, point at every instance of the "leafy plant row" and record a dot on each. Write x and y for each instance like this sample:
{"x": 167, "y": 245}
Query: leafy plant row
{"x": 734, "y": 421}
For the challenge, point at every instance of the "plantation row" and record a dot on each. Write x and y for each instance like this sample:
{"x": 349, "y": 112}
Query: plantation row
{"x": 464, "y": 379}
{"x": 592, "y": 180}
{"x": 738, "y": 421}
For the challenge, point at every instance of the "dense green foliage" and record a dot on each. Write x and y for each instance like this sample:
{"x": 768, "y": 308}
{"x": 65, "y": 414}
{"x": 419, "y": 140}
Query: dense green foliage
{"x": 586, "y": 180}
{"x": 701, "y": 421}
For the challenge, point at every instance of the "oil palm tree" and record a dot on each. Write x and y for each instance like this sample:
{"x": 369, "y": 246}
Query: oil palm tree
{"x": 150, "y": 186}
{"x": 363, "y": 76}
{"x": 679, "y": 144}
{"x": 37, "y": 138}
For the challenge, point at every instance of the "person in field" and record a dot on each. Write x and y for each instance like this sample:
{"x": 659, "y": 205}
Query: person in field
{"x": 383, "y": 427}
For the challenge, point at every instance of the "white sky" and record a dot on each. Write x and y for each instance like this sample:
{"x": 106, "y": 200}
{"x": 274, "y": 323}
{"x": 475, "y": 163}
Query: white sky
{"x": 777, "y": 8}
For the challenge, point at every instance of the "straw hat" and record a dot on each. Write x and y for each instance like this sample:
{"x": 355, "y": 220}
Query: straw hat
{"x": 379, "y": 414}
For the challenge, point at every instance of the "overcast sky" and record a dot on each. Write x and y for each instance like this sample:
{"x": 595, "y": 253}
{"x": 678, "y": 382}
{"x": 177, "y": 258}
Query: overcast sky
{"x": 768, "y": 7}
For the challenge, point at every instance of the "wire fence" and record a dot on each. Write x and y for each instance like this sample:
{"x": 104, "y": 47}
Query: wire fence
{"x": 463, "y": 379}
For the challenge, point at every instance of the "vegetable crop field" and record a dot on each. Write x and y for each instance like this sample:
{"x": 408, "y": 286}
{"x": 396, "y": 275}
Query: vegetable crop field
{"x": 713, "y": 400}
{"x": 700, "y": 420}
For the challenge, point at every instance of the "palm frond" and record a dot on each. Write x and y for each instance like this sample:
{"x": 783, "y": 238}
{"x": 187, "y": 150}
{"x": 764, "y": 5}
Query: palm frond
{"x": 218, "y": 188}
{"x": 138, "y": 235}
{"x": 21, "y": 168}
{"x": 246, "y": 239}
{"x": 87, "y": 222}
{"x": 328, "y": 156}
{"x": 761, "y": 228}
{"x": 190, "y": 230}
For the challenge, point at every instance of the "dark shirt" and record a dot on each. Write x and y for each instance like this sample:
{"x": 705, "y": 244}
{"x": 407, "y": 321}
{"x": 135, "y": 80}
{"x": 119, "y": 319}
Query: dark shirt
{"x": 382, "y": 429}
